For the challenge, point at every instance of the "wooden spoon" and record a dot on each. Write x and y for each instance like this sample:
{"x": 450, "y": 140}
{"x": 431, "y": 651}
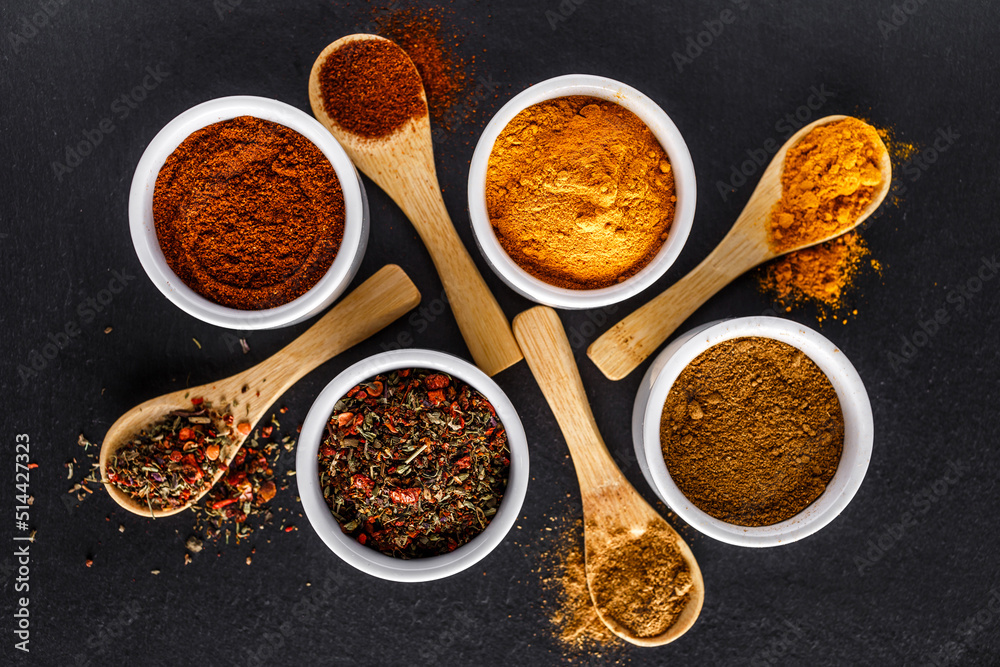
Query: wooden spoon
{"x": 627, "y": 344}
{"x": 375, "y": 304}
{"x": 402, "y": 164}
{"x": 611, "y": 505}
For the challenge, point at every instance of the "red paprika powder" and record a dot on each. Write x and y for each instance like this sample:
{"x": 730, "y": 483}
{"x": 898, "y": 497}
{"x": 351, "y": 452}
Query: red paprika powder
{"x": 371, "y": 88}
{"x": 248, "y": 213}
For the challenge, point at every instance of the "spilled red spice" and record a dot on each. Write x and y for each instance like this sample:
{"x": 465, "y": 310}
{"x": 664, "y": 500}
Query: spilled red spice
{"x": 371, "y": 88}
{"x": 434, "y": 49}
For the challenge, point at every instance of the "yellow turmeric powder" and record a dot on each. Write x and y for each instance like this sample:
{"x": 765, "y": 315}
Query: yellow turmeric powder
{"x": 821, "y": 274}
{"x": 579, "y": 192}
{"x": 828, "y": 179}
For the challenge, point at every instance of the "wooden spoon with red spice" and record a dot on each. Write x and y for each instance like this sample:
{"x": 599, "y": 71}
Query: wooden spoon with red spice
{"x": 611, "y": 505}
{"x": 385, "y": 129}
{"x": 627, "y": 344}
{"x": 373, "y": 305}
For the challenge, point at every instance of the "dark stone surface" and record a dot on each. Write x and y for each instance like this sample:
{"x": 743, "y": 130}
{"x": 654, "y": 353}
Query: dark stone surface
{"x": 814, "y": 602}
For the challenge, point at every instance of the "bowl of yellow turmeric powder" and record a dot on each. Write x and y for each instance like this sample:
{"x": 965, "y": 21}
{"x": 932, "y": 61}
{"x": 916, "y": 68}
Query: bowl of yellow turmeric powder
{"x": 581, "y": 192}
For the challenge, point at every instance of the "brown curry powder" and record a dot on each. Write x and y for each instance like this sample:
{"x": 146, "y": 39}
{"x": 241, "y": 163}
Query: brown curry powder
{"x": 248, "y": 213}
{"x": 828, "y": 179}
{"x": 752, "y": 431}
{"x": 371, "y": 88}
{"x": 579, "y": 192}
{"x": 641, "y": 582}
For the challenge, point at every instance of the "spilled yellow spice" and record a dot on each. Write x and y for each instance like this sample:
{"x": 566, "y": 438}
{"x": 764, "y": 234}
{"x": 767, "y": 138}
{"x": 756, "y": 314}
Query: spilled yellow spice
{"x": 822, "y": 275}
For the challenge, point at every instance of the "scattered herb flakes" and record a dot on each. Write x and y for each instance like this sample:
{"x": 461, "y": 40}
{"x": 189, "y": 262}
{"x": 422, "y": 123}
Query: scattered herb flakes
{"x": 241, "y": 500}
{"x": 414, "y": 464}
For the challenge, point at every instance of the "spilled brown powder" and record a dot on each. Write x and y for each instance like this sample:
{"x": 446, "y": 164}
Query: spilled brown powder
{"x": 642, "y": 582}
{"x": 576, "y": 619}
{"x": 752, "y": 431}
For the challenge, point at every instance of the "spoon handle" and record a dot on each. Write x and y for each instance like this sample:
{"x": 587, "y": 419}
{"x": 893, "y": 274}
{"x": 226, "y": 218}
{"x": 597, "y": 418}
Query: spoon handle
{"x": 550, "y": 358}
{"x": 480, "y": 318}
{"x": 627, "y": 344}
{"x": 372, "y": 306}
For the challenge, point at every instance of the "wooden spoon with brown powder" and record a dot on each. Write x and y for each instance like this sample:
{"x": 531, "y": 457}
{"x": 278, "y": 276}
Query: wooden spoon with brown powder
{"x": 398, "y": 155}
{"x": 643, "y": 578}
{"x": 627, "y": 344}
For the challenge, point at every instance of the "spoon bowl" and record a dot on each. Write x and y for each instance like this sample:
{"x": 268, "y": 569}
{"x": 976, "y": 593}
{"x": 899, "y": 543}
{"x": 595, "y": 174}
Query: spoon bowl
{"x": 627, "y": 344}
{"x": 376, "y": 303}
{"x": 402, "y": 164}
{"x": 611, "y": 505}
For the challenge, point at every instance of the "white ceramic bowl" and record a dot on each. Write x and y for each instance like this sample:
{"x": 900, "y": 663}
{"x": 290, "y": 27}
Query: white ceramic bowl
{"x": 367, "y": 559}
{"x": 140, "y": 213}
{"x": 665, "y": 132}
{"x": 858, "y": 428}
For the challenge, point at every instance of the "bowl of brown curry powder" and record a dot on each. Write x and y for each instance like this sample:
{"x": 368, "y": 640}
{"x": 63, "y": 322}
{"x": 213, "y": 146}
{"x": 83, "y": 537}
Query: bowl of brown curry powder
{"x": 757, "y": 431}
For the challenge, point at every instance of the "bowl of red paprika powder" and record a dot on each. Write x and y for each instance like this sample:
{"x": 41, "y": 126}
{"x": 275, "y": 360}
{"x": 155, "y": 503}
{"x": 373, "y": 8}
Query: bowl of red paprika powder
{"x": 247, "y": 214}
{"x": 769, "y": 393}
{"x": 389, "y": 439}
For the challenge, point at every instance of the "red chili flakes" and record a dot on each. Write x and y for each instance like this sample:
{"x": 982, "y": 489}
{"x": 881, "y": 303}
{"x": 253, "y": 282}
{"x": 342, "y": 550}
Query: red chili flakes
{"x": 405, "y": 496}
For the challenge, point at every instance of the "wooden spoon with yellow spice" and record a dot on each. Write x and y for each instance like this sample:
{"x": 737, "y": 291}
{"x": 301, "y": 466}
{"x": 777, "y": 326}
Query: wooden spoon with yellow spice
{"x": 753, "y": 240}
{"x": 376, "y": 303}
{"x": 369, "y": 95}
{"x": 643, "y": 578}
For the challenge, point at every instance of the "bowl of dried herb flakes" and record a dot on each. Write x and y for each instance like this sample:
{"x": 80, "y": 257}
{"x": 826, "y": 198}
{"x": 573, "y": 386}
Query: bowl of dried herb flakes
{"x": 412, "y": 465}
{"x": 757, "y": 431}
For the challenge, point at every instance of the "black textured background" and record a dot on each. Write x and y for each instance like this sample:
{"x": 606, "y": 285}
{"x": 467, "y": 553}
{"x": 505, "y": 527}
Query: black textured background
{"x": 833, "y": 598}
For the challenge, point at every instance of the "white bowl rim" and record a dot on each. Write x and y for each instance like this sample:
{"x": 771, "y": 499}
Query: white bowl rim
{"x": 369, "y": 560}
{"x": 855, "y": 405}
{"x": 663, "y": 129}
{"x": 147, "y": 247}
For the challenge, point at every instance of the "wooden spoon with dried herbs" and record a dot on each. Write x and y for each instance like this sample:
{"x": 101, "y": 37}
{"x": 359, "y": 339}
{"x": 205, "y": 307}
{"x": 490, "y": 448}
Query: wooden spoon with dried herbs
{"x": 163, "y": 455}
